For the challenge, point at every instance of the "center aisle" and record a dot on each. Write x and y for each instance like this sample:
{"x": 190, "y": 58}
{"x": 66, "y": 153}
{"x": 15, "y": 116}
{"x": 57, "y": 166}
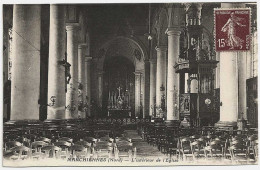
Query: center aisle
{"x": 144, "y": 150}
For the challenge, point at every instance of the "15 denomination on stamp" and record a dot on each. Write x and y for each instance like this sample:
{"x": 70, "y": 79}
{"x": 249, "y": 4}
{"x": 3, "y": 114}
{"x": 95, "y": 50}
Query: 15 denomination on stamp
{"x": 232, "y": 29}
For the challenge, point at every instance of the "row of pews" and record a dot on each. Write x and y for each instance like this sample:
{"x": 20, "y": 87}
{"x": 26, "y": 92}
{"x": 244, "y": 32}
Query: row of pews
{"x": 205, "y": 143}
{"x": 66, "y": 139}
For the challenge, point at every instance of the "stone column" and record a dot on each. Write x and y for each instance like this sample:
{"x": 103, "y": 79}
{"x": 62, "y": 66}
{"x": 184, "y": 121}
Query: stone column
{"x": 146, "y": 89}
{"x": 242, "y": 85}
{"x": 142, "y": 110}
{"x": 81, "y": 74}
{"x": 186, "y": 79}
{"x": 72, "y": 58}
{"x": 137, "y": 93}
{"x": 228, "y": 88}
{"x": 88, "y": 82}
{"x": 25, "y": 86}
{"x": 173, "y": 77}
{"x": 194, "y": 86}
{"x": 56, "y": 72}
{"x": 242, "y": 71}
{"x": 229, "y": 79}
{"x": 152, "y": 85}
{"x": 161, "y": 73}
{"x": 100, "y": 88}
{"x": 217, "y": 72}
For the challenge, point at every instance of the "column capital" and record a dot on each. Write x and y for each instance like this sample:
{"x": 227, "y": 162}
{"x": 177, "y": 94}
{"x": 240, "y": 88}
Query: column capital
{"x": 59, "y": 5}
{"x": 138, "y": 73}
{"x": 173, "y": 5}
{"x": 152, "y": 60}
{"x": 72, "y": 27}
{"x": 173, "y": 31}
{"x": 232, "y": 5}
{"x": 161, "y": 48}
{"x": 88, "y": 59}
{"x": 199, "y": 5}
{"x": 146, "y": 61}
{"x": 82, "y": 45}
{"x": 100, "y": 73}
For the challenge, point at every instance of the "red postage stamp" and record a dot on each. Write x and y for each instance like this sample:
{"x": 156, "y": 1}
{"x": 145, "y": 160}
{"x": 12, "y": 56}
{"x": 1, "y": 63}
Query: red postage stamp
{"x": 232, "y": 29}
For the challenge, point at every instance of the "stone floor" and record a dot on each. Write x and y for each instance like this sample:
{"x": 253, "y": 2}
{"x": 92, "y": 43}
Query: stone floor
{"x": 149, "y": 152}
{"x": 144, "y": 150}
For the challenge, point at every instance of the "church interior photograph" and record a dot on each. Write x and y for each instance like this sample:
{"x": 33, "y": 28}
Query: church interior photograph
{"x": 135, "y": 84}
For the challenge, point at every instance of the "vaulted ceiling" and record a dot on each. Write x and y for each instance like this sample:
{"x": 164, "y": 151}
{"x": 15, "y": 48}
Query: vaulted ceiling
{"x": 106, "y": 21}
{"x": 118, "y": 18}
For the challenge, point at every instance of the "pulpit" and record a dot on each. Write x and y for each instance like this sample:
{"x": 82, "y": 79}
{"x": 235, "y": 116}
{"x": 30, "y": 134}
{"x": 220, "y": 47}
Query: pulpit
{"x": 196, "y": 66}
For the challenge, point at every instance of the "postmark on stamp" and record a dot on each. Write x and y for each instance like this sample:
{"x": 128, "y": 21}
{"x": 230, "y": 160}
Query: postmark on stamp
{"x": 232, "y": 29}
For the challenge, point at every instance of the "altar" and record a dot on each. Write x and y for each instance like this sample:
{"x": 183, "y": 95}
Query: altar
{"x": 119, "y": 104}
{"x": 119, "y": 113}
{"x": 119, "y": 88}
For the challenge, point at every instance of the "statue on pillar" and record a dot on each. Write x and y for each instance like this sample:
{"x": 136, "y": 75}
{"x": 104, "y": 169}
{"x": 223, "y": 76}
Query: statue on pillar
{"x": 163, "y": 102}
{"x": 67, "y": 70}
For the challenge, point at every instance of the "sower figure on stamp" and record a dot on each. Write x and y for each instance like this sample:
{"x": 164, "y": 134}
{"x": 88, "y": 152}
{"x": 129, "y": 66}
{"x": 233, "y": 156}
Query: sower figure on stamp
{"x": 229, "y": 27}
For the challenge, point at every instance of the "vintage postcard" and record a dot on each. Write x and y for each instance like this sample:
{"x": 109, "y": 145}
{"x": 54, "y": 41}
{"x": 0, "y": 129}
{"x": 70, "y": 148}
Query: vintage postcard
{"x": 130, "y": 84}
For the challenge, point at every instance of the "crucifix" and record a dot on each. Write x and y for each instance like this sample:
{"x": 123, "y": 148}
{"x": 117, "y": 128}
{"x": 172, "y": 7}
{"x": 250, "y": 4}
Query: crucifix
{"x": 119, "y": 89}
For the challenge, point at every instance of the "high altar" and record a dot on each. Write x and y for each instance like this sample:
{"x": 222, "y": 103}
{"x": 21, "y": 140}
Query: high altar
{"x": 119, "y": 103}
{"x": 118, "y": 99}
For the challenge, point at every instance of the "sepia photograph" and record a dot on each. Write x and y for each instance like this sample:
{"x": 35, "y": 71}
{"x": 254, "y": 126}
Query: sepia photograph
{"x": 129, "y": 84}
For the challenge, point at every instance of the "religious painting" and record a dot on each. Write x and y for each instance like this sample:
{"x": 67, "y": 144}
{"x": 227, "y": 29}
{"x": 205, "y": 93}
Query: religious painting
{"x": 185, "y": 103}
